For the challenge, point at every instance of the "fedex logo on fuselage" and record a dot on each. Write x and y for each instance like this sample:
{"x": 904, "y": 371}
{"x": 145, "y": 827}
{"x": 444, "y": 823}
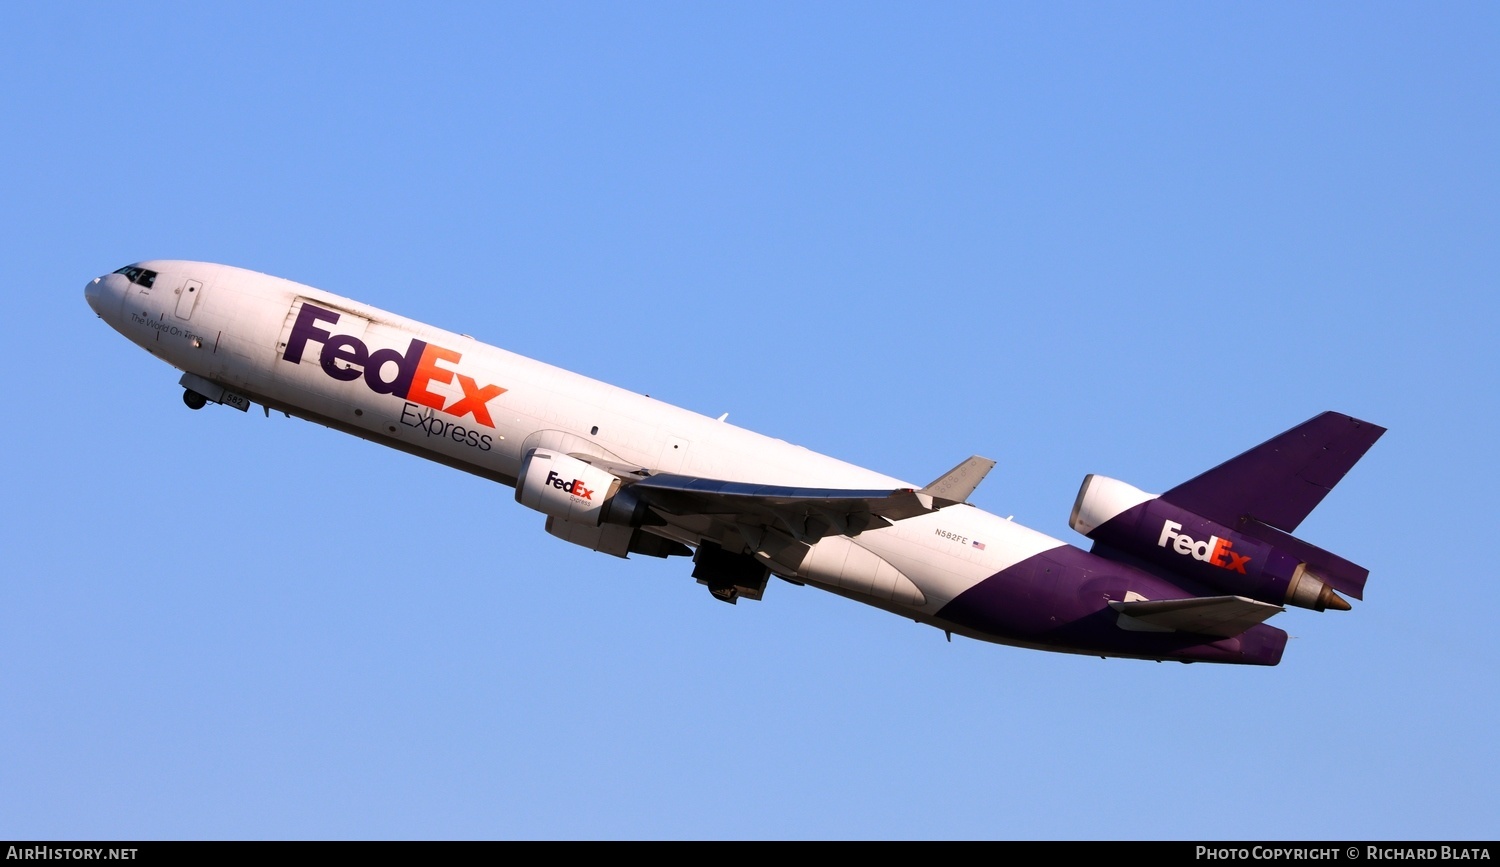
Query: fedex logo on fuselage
{"x": 574, "y": 487}
{"x": 1213, "y": 551}
{"x": 412, "y": 371}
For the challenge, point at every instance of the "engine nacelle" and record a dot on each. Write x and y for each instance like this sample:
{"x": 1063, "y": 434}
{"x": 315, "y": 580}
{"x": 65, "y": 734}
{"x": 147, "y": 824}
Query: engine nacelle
{"x": 579, "y": 493}
{"x": 1253, "y": 560}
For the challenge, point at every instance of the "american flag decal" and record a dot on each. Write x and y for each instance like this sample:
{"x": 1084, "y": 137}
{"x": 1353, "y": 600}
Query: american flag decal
{"x": 978, "y": 544}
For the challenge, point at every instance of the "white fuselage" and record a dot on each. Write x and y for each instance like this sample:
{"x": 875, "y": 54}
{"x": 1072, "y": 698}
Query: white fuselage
{"x": 450, "y": 398}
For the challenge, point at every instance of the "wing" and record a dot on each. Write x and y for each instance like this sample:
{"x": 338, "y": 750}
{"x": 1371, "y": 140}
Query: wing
{"x": 806, "y": 514}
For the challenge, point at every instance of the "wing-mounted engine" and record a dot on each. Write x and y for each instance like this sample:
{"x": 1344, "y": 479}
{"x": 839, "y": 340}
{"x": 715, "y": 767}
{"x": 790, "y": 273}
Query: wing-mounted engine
{"x": 579, "y": 493}
{"x": 1250, "y": 559}
{"x": 589, "y": 506}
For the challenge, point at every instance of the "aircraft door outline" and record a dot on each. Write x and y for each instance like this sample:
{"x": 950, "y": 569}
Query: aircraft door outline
{"x": 187, "y": 298}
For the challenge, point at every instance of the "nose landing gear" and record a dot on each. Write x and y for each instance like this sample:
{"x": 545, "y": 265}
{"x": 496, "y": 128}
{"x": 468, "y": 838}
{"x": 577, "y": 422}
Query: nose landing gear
{"x": 193, "y": 399}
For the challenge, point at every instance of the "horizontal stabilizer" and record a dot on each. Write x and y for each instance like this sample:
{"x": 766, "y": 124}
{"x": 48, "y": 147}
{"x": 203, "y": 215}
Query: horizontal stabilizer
{"x": 1327, "y": 566}
{"x": 1222, "y": 616}
{"x": 1280, "y": 481}
{"x": 956, "y": 485}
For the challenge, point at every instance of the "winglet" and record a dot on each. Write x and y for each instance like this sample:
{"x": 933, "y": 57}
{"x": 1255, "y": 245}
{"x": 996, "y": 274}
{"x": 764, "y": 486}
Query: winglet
{"x": 957, "y": 484}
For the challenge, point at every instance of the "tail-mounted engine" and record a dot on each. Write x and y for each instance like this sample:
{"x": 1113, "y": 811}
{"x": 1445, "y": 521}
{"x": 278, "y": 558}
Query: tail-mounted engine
{"x": 1251, "y": 559}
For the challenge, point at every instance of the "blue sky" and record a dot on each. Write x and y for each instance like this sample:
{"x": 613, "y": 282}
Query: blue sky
{"x": 1130, "y": 239}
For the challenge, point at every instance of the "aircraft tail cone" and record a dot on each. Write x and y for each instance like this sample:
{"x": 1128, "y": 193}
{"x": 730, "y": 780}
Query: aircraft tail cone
{"x": 1334, "y": 601}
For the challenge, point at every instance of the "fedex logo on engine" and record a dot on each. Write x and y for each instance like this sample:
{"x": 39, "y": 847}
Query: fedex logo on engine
{"x": 1213, "y": 551}
{"x": 411, "y": 372}
{"x": 574, "y": 487}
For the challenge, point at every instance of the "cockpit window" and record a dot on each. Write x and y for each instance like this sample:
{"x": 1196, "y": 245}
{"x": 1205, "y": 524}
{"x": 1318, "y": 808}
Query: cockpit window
{"x": 140, "y": 276}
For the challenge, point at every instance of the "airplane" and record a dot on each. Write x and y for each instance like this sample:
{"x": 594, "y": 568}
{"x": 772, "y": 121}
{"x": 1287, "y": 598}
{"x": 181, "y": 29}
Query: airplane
{"x": 1189, "y": 575}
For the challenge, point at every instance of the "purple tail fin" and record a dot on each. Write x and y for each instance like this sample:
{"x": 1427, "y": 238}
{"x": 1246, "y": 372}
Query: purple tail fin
{"x": 1280, "y": 481}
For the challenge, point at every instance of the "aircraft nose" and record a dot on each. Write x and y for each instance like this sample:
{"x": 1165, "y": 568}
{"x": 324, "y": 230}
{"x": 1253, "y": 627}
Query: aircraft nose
{"x": 92, "y": 293}
{"x": 104, "y": 296}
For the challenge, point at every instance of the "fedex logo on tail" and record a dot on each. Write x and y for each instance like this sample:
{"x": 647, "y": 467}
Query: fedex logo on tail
{"x": 1214, "y": 551}
{"x": 412, "y": 371}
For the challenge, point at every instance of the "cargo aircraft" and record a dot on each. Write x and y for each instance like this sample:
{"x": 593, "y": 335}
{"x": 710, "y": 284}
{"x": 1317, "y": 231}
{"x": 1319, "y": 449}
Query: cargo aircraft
{"x": 1188, "y": 575}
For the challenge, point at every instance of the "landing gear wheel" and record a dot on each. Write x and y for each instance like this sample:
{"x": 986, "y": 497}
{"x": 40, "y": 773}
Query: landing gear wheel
{"x": 193, "y": 399}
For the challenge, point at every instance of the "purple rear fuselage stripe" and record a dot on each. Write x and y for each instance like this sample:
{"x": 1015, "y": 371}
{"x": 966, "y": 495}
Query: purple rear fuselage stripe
{"x": 1061, "y": 598}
